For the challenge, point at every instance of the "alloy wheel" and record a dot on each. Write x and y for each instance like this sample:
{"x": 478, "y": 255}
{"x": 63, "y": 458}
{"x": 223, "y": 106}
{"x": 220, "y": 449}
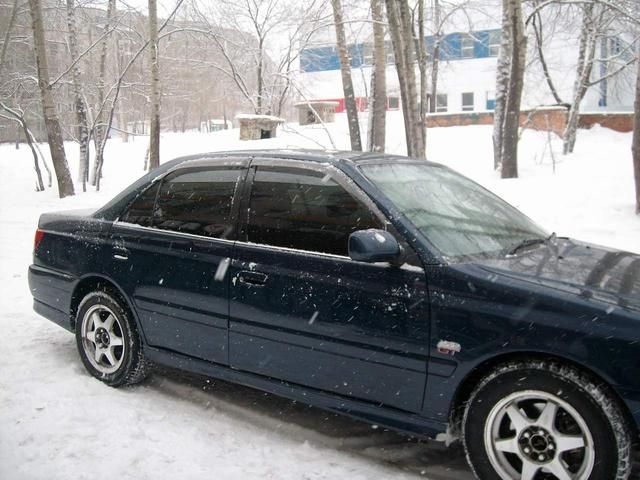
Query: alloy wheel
{"x": 103, "y": 339}
{"x": 535, "y": 435}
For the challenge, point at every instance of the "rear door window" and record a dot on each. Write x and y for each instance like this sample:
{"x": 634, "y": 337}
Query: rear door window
{"x": 197, "y": 201}
{"x": 304, "y": 210}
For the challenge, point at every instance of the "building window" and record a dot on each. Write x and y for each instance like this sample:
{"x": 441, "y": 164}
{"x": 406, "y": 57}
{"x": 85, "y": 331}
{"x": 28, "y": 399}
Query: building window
{"x": 491, "y": 100}
{"x": 393, "y": 103}
{"x": 442, "y": 102}
{"x": 494, "y": 43}
{"x": 467, "y": 46}
{"x": 616, "y": 45}
{"x": 467, "y": 102}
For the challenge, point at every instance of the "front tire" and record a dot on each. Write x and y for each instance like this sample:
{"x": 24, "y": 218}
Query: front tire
{"x": 539, "y": 420}
{"x": 107, "y": 340}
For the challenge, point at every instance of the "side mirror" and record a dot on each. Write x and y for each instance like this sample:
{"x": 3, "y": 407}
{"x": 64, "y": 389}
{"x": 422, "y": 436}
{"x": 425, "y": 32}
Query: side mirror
{"x": 373, "y": 246}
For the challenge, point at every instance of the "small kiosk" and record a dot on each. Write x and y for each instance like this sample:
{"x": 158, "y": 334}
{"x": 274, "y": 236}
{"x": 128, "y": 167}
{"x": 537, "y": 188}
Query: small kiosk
{"x": 257, "y": 127}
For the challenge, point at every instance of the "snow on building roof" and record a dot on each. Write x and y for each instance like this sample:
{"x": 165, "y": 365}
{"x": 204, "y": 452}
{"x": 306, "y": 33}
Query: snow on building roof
{"x": 249, "y": 116}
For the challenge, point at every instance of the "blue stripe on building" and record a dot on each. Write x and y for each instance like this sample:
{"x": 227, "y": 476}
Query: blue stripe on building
{"x": 319, "y": 59}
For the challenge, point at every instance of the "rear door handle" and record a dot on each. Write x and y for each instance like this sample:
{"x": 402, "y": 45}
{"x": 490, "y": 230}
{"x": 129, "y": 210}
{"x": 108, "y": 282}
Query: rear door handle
{"x": 120, "y": 253}
{"x": 256, "y": 279}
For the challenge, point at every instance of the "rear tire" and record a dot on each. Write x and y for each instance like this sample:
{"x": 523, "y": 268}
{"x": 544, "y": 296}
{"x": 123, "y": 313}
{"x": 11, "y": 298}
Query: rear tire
{"x": 538, "y": 420}
{"x": 107, "y": 340}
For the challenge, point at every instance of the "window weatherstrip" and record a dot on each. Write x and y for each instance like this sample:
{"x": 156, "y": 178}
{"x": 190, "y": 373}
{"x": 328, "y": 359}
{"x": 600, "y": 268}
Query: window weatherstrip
{"x": 134, "y": 226}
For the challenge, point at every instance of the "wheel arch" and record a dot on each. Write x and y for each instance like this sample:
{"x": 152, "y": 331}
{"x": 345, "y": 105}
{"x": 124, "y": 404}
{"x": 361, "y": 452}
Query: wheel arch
{"x": 92, "y": 282}
{"x": 472, "y": 379}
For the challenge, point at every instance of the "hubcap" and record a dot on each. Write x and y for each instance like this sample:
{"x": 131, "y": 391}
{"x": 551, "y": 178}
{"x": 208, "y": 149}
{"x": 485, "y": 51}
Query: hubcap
{"x": 533, "y": 435}
{"x": 102, "y": 339}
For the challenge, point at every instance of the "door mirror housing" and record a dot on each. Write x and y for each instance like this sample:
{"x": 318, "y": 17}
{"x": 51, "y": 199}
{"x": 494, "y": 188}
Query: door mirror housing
{"x": 373, "y": 245}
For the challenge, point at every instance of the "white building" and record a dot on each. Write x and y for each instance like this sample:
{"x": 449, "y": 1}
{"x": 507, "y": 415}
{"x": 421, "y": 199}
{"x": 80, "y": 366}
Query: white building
{"x": 468, "y": 57}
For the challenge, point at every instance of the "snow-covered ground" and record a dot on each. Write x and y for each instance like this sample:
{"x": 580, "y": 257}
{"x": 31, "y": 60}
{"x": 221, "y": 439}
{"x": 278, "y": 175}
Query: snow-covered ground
{"x": 56, "y": 422}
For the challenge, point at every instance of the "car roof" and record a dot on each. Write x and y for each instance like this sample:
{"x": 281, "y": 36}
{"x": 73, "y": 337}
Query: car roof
{"x": 310, "y": 155}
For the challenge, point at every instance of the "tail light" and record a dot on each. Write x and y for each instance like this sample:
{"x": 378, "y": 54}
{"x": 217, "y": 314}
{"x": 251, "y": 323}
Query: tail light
{"x": 37, "y": 238}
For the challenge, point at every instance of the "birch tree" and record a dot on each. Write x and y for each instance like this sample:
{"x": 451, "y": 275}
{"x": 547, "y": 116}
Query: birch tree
{"x": 584, "y": 68}
{"x": 347, "y": 81}
{"x": 514, "y": 95}
{"x": 537, "y": 27}
{"x": 99, "y": 130}
{"x": 79, "y": 102}
{"x": 509, "y": 86}
{"x": 435, "y": 55}
{"x": 400, "y": 28}
{"x": 50, "y": 114}
{"x": 599, "y": 20}
{"x": 378, "y": 104}
{"x": 502, "y": 87}
{"x": 421, "y": 51}
{"x": 636, "y": 140}
{"x": 154, "y": 134}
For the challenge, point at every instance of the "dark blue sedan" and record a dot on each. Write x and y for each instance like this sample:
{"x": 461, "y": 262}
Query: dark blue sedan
{"x": 392, "y": 290}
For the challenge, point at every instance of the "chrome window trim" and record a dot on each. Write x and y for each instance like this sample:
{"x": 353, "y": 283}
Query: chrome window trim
{"x": 134, "y": 226}
{"x": 295, "y": 250}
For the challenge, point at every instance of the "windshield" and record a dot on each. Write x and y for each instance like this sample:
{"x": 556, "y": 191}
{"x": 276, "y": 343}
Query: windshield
{"x": 457, "y": 215}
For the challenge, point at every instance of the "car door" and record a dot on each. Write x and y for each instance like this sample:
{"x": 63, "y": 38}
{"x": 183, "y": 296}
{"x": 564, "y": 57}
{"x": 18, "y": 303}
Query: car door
{"x": 303, "y": 312}
{"x": 171, "y": 249}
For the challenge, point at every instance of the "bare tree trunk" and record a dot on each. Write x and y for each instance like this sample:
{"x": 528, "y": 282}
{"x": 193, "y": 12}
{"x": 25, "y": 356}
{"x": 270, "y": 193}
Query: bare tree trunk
{"x": 378, "y": 105}
{"x": 421, "y": 50}
{"x": 36, "y": 166}
{"x": 154, "y": 136}
{"x": 347, "y": 82}
{"x": 52, "y": 124}
{"x": 586, "y": 54}
{"x": 100, "y": 131}
{"x": 403, "y": 48}
{"x": 260, "y": 72}
{"x": 514, "y": 98}
{"x": 406, "y": 31}
{"x": 435, "y": 59}
{"x": 636, "y": 142}
{"x": 399, "y": 58}
{"x": 7, "y": 35}
{"x": 80, "y": 107}
{"x": 502, "y": 86}
{"x": 536, "y": 23}
{"x": 122, "y": 113}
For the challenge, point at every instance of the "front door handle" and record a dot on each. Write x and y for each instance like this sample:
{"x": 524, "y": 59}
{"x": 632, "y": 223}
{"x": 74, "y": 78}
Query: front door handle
{"x": 256, "y": 279}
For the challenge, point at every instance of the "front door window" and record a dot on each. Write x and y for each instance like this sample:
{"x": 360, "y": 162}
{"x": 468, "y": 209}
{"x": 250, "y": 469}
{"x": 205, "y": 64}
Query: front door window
{"x": 304, "y": 210}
